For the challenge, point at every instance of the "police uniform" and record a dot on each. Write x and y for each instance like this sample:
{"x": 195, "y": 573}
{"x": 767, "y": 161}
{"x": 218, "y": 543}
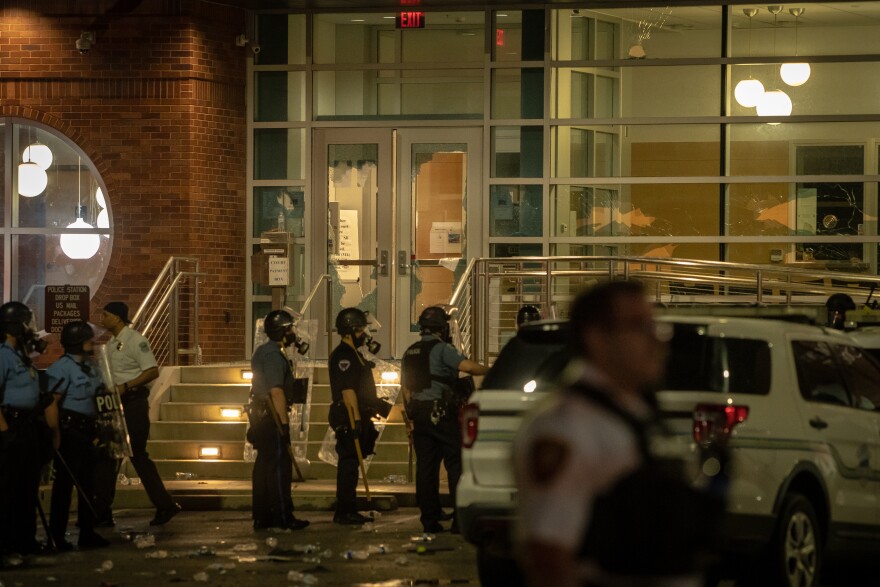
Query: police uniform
{"x": 272, "y": 503}
{"x": 436, "y": 431}
{"x": 349, "y": 370}
{"x": 129, "y": 355}
{"x": 77, "y": 383}
{"x": 23, "y": 451}
{"x": 576, "y": 459}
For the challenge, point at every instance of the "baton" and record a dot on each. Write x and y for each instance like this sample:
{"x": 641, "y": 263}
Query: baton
{"x": 277, "y": 419}
{"x": 76, "y": 484}
{"x": 49, "y": 538}
{"x": 357, "y": 449}
{"x": 409, "y": 452}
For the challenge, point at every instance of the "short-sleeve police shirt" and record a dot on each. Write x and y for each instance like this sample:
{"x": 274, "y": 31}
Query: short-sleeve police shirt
{"x": 444, "y": 361}
{"x": 269, "y": 366}
{"x": 21, "y": 386}
{"x": 77, "y": 387}
{"x": 129, "y": 355}
{"x": 348, "y": 370}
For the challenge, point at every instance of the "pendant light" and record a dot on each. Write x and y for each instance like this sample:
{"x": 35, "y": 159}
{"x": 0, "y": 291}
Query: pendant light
{"x": 774, "y": 102}
{"x": 749, "y": 91}
{"x": 32, "y": 179}
{"x": 77, "y": 245}
{"x": 38, "y": 153}
{"x": 795, "y": 74}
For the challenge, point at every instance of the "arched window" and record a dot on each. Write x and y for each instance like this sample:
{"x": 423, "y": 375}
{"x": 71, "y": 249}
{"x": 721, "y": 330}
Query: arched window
{"x": 56, "y": 214}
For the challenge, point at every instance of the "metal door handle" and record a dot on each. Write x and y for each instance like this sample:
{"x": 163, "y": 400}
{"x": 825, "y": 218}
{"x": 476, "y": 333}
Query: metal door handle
{"x": 402, "y": 262}
{"x": 818, "y": 423}
{"x": 382, "y": 265}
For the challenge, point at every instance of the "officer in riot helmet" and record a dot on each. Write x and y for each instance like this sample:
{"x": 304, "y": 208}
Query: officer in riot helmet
{"x": 269, "y": 432}
{"x": 353, "y": 404}
{"x": 432, "y": 398}
{"x": 75, "y": 381}
{"x": 837, "y": 306}
{"x": 527, "y": 313}
{"x": 28, "y": 430}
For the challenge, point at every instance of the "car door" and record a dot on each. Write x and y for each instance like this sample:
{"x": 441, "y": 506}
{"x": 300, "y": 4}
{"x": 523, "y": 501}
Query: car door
{"x": 836, "y": 426}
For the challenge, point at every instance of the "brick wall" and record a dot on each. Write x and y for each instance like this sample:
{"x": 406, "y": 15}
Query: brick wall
{"x": 158, "y": 104}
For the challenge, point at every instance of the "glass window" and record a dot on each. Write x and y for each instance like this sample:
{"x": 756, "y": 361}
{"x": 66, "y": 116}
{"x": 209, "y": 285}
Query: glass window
{"x": 518, "y": 93}
{"x": 517, "y": 151}
{"x": 585, "y": 93}
{"x": 453, "y": 37}
{"x": 581, "y": 151}
{"x": 515, "y": 250}
{"x": 818, "y": 377}
{"x": 279, "y": 96}
{"x": 519, "y": 35}
{"x": 516, "y": 210}
{"x": 53, "y": 186}
{"x": 589, "y": 211}
{"x": 279, "y": 153}
{"x": 698, "y": 362}
{"x": 279, "y": 208}
{"x": 584, "y": 35}
{"x": 862, "y": 375}
{"x": 281, "y": 39}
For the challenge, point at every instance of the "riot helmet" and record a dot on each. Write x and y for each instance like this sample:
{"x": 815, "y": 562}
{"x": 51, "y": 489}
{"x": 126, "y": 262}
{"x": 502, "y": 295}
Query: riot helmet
{"x": 74, "y": 335}
{"x": 837, "y": 306}
{"x": 276, "y": 324}
{"x": 434, "y": 319}
{"x": 527, "y": 313}
{"x": 17, "y": 320}
{"x": 350, "y": 319}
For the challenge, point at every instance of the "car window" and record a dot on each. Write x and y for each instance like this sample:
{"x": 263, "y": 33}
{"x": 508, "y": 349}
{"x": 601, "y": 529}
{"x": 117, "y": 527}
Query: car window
{"x": 521, "y": 361}
{"x": 819, "y": 379}
{"x": 861, "y": 372}
{"x": 699, "y": 362}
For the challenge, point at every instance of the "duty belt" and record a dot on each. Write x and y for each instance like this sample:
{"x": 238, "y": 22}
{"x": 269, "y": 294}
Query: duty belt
{"x": 134, "y": 393}
{"x": 15, "y": 414}
{"x": 77, "y": 422}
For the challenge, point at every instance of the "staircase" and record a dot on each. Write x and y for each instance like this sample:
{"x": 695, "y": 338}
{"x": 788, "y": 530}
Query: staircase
{"x": 192, "y": 419}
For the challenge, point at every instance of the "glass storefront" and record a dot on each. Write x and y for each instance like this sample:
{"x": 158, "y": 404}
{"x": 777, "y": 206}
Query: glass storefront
{"x": 625, "y": 130}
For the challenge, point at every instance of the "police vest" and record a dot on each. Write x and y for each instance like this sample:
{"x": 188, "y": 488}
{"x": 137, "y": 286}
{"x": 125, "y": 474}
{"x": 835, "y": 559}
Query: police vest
{"x": 652, "y": 522}
{"x": 416, "y": 367}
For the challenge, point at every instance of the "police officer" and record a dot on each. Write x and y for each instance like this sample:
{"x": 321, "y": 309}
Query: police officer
{"x": 836, "y": 306}
{"x": 75, "y": 379}
{"x": 269, "y": 430}
{"x": 28, "y": 430}
{"x": 583, "y": 463}
{"x": 133, "y": 366}
{"x": 354, "y": 399}
{"x": 527, "y": 313}
{"x": 430, "y": 372}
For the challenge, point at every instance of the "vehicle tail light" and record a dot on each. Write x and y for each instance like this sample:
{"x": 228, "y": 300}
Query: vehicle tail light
{"x": 470, "y": 416}
{"x": 714, "y": 423}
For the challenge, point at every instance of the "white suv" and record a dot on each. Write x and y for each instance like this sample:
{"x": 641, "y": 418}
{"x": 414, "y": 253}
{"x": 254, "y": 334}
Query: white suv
{"x": 800, "y": 407}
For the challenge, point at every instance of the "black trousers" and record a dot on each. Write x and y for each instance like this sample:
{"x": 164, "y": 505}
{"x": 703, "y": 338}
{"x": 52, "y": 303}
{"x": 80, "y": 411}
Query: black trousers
{"x": 272, "y": 504}
{"x": 20, "y": 468}
{"x": 434, "y": 443}
{"x": 346, "y": 476}
{"x": 137, "y": 419}
{"x": 78, "y": 453}
{"x": 106, "y": 473}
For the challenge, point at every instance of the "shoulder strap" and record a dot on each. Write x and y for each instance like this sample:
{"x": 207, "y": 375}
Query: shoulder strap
{"x": 638, "y": 427}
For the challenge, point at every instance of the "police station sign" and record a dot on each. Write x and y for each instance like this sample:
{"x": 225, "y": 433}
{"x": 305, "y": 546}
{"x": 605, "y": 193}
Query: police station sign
{"x": 65, "y": 303}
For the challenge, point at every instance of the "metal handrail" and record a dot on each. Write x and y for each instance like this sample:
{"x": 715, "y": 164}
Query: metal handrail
{"x": 166, "y": 318}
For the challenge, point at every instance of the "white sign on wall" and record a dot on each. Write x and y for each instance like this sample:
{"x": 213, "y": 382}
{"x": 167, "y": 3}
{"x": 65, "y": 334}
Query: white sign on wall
{"x": 349, "y": 245}
{"x": 279, "y": 271}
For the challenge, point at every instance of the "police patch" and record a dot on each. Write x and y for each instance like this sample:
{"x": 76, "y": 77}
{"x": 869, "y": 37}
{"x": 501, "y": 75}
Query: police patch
{"x": 547, "y": 458}
{"x": 344, "y": 364}
{"x": 145, "y": 348}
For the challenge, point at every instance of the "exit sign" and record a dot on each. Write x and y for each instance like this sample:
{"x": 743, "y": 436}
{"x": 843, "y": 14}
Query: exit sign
{"x": 410, "y": 20}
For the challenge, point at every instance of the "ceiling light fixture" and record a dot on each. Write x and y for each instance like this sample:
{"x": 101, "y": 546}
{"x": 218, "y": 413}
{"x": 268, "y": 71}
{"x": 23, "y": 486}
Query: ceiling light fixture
{"x": 748, "y": 92}
{"x": 32, "y": 178}
{"x": 78, "y": 245}
{"x": 795, "y": 74}
{"x": 774, "y": 102}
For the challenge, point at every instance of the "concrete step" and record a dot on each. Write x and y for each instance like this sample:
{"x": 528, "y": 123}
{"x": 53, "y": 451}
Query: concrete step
{"x": 214, "y": 373}
{"x": 203, "y": 431}
{"x": 320, "y": 410}
{"x": 184, "y": 449}
{"x": 210, "y": 393}
{"x": 385, "y": 451}
{"x": 198, "y": 412}
{"x": 394, "y": 432}
{"x": 210, "y": 469}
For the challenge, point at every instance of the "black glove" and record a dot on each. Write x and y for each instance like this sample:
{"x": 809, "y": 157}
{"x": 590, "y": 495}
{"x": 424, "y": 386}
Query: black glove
{"x": 358, "y": 428}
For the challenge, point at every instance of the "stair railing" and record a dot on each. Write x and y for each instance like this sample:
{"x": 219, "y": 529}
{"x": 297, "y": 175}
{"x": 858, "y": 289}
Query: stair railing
{"x": 169, "y": 315}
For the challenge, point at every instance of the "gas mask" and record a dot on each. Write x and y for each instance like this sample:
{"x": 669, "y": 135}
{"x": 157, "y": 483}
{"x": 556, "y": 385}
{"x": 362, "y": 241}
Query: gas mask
{"x": 32, "y": 344}
{"x": 292, "y": 339}
{"x": 365, "y": 340}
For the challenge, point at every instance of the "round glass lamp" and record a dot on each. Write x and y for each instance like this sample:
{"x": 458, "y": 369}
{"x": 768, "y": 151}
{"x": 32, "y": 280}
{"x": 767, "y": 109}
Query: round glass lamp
{"x": 774, "y": 103}
{"x": 99, "y": 196}
{"x": 748, "y": 92}
{"x": 32, "y": 180}
{"x": 80, "y": 246}
{"x": 38, "y": 153}
{"x": 795, "y": 74}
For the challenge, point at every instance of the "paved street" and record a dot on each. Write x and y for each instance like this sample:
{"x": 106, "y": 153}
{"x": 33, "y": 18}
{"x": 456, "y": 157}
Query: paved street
{"x": 220, "y": 548}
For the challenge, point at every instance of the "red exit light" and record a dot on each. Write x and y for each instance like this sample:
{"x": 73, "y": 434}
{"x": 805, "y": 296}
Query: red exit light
{"x": 410, "y": 20}
{"x": 499, "y": 37}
